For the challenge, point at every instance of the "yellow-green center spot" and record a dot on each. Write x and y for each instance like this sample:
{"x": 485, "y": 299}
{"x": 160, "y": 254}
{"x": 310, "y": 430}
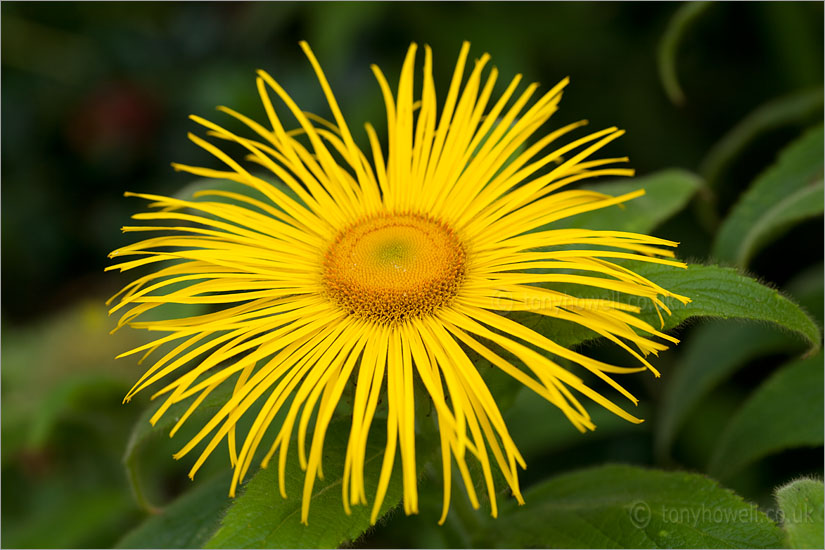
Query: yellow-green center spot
{"x": 393, "y": 253}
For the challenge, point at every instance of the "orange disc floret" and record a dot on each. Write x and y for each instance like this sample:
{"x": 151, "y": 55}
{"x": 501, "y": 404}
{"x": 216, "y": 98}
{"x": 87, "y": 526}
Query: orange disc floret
{"x": 392, "y": 267}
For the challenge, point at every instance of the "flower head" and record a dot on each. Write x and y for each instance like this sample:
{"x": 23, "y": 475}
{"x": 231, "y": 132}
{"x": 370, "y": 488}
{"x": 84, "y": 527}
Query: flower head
{"x": 386, "y": 272}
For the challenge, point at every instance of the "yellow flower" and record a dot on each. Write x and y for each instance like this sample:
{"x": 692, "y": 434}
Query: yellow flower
{"x": 385, "y": 273}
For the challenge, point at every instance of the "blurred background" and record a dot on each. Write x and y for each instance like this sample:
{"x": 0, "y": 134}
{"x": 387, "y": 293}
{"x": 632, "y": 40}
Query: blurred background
{"x": 95, "y": 99}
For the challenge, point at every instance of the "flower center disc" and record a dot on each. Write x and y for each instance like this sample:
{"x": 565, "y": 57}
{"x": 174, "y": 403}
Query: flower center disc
{"x": 389, "y": 268}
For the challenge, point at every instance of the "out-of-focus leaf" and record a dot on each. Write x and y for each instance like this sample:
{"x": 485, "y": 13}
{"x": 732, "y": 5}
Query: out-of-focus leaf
{"x": 186, "y": 523}
{"x": 29, "y": 44}
{"x": 718, "y": 292}
{"x": 801, "y": 503}
{"x": 554, "y": 432}
{"x": 666, "y": 193}
{"x": 63, "y": 430}
{"x": 712, "y": 353}
{"x": 784, "y": 412}
{"x": 629, "y": 507}
{"x": 807, "y": 288}
{"x": 260, "y": 518}
{"x": 677, "y": 27}
{"x": 69, "y": 394}
{"x": 790, "y": 41}
{"x": 796, "y": 108}
{"x": 788, "y": 192}
{"x": 49, "y": 370}
{"x": 68, "y": 515}
{"x": 696, "y": 439}
{"x": 340, "y": 24}
{"x": 143, "y": 431}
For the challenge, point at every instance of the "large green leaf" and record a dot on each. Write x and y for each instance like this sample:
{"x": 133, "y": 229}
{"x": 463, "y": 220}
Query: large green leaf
{"x": 666, "y": 193}
{"x": 801, "y": 506}
{"x": 785, "y": 412}
{"x": 677, "y": 27}
{"x": 729, "y": 346}
{"x": 796, "y": 108}
{"x": 727, "y": 294}
{"x": 789, "y": 191}
{"x": 186, "y": 523}
{"x": 713, "y": 352}
{"x": 260, "y": 518}
{"x": 630, "y": 507}
{"x": 718, "y": 292}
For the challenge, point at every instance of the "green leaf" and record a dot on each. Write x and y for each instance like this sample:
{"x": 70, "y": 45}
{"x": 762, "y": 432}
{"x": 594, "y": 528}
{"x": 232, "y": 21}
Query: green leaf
{"x": 793, "y": 43}
{"x": 666, "y": 193}
{"x": 143, "y": 432}
{"x": 718, "y": 292}
{"x": 725, "y": 293}
{"x": 677, "y": 27}
{"x": 555, "y": 432}
{"x": 784, "y": 412}
{"x": 796, "y": 108}
{"x": 807, "y": 288}
{"x": 71, "y": 394}
{"x": 66, "y": 513}
{"x": 730, "y": 345}
{"x": 801, "y": 504}
{"x": 260, "y": 518}
{"x": 788, "y": 192}
{"x": 630, "y": 507}
{"x": 713, "y": 352}
{"x": 186, "y": 523}
{"x": 47, "y": 377}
